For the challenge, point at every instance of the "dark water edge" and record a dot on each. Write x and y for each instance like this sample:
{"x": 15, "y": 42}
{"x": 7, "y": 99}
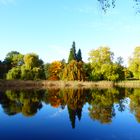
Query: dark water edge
{"x": 90, "y": 114}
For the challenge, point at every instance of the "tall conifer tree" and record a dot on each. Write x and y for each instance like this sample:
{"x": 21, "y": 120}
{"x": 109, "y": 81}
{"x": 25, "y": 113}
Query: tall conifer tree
{"x": 79, "y": 55}
{"x": 72, "y": 55}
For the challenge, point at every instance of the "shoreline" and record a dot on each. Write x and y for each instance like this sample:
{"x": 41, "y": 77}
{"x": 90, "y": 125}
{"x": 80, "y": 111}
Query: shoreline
{"x": 43, "y": 84}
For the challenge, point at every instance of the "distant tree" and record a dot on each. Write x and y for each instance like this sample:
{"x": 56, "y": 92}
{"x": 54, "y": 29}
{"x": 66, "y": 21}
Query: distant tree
{"x": 119, "y": 60}
{"x": 79, "y": 55}
{"x": 63, "y": 61}
{"x": 13, "y": 59}
{"x": 9, "y": 57}
{"x": 74, "y": 49}
{"x": 72, "y": 55}
{"x": 134, "y": 63}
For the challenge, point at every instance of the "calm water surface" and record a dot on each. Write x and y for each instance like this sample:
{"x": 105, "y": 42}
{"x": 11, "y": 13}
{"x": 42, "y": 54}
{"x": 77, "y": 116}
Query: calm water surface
{"x": 70, "y": 114}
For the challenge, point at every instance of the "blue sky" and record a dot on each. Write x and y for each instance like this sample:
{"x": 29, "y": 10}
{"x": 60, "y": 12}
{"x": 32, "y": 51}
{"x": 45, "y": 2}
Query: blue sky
{"x": 48, "y": 27}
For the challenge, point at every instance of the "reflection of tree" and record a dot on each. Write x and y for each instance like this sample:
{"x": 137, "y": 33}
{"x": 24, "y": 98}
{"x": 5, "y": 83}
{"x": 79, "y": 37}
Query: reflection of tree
{"x": 29, "y": 108}
{"x": 53, "y": 97}
{"x": 75, "y": 99}
{"x": 135, "y": 103}
{"x": 102, "y": 104}
{"x": 21, "y": 101}
{"x": 9, "y": 107}
{"x": 120, "y": 99}
{"x": 73, "y": 114}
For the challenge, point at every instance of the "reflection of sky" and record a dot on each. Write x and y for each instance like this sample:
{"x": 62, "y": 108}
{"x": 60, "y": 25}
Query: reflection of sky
{"x": 53, "y": 123}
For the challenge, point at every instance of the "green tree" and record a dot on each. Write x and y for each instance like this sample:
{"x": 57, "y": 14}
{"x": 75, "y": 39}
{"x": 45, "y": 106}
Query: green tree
{"x": 88, "y": 70}
{"x": 112, "y": 72}
{"x": 46, "y": 70}
{"x": 72, "y": 55}
{"x": 32, "y": 60}
{"x": 100, "y": 58}
{"x": 134, "y": 63}
{"x": 79, "y": 55}
{"x": 31, "y": 69}
{"x": 13, "y": 59}
{"x": 102, "y": 66}
{"x": 9, "y": 57}
{"x": 102, "y": 55}
{"x": 14, "y": 73}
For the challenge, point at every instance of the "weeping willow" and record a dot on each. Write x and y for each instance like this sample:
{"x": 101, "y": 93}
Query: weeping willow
{"x": 74, "y": 71}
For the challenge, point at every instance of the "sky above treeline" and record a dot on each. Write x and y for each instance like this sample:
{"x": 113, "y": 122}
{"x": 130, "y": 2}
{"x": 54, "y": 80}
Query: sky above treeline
{"x": 48, "y": 27}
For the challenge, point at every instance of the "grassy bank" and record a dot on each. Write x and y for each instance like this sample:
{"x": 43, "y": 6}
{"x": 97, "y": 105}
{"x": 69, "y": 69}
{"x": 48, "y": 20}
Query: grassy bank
{"x": 53, "y": 84}
{"x": 129, "y": 84}
{"x": 16, "y": 84}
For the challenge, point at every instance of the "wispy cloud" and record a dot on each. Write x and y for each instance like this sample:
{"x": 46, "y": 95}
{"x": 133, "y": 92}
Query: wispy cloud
{"x": 57, "y": 113}
{"x": 7, "y": 2}
{"x": 86, "y": 9}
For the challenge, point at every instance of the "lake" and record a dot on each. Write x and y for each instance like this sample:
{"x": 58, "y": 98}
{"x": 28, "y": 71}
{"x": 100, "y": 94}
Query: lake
{"x": 70, "y": 114}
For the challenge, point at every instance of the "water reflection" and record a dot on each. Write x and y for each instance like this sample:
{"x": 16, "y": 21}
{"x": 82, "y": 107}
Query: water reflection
{"x": 103, "y": 104}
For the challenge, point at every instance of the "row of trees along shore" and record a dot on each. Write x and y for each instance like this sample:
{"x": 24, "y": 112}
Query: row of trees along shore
{"x": 101, "y": 66}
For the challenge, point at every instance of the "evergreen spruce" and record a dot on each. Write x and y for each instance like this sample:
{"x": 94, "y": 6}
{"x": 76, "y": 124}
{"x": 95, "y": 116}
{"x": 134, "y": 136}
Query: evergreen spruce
{"x": 72, "y": 55}
{"x": 79, "y": 55}
{"x": 74, "y": 50}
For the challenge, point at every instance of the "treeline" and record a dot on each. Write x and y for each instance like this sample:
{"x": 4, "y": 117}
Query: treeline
{"x": 101, "y": 66}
